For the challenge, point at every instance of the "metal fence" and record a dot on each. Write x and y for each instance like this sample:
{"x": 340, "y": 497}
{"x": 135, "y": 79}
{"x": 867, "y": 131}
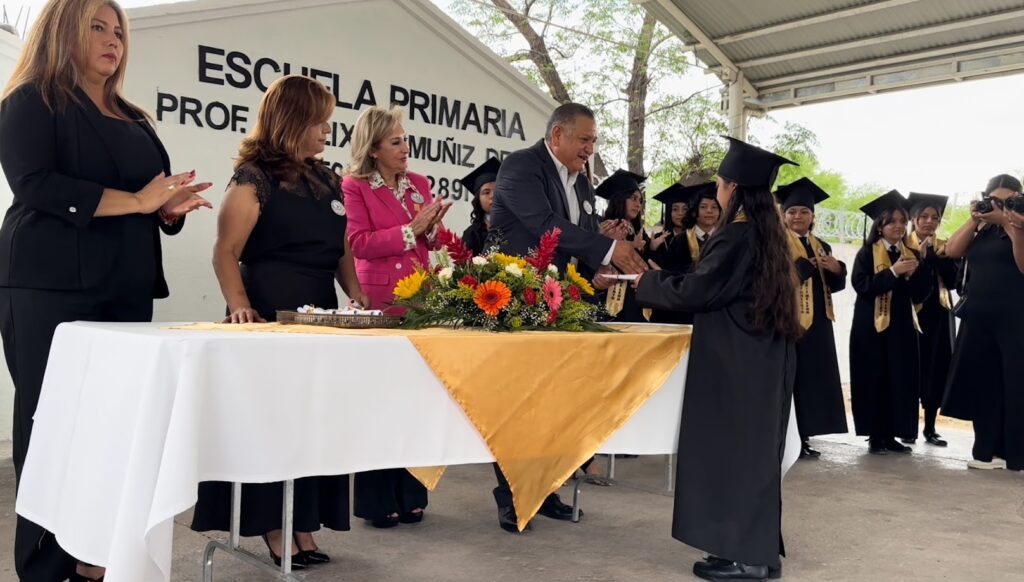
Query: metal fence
{"x": 839, "y": 225}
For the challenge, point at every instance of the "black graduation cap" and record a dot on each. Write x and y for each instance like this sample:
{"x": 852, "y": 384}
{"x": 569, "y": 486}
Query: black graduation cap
{"x": 888, "y": 201}
{"x": 804, "y": 192}
{"x": 675, "y": 193}
{"x": 699, "y": 192}
{"x": 483, "y": 174}
{"x": 919, "y": 202}
{"x": 621, "y": 184}
{"x": 749, "y": 165}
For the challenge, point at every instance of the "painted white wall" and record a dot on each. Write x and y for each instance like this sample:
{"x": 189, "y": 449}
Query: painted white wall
{"x": 353, "y": 44}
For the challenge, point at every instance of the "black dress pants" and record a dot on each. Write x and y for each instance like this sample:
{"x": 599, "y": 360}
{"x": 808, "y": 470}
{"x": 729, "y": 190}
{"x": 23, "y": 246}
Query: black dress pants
{"x": 28, "y": 320}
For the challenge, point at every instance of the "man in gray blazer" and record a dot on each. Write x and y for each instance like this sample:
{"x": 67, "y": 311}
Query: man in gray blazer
{"x": 545, "y": 186}
{"x": 540, "y": 188}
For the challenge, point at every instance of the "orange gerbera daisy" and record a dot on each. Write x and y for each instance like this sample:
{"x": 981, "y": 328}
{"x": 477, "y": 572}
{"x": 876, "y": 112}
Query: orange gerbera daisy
{"x": 491, "y": 297}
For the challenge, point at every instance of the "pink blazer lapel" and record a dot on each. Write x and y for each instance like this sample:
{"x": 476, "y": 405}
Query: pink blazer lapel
{"x": 387, "y": 198}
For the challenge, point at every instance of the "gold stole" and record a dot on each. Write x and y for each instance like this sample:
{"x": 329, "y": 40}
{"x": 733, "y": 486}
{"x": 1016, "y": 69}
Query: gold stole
{"x": 616, "y": 298}
{"x": 940, "y": 250}
{"x": 805, "y": 294}
{"x": 883, "y": 303}
{"x": 691, "y": 239}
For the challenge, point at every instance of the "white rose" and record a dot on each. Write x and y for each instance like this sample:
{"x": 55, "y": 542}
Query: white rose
{"x": 445, "y": 274}
{"x": 479, "y": 261}
{"x": 553, "y": 270}
{"x": 514, "y": 269}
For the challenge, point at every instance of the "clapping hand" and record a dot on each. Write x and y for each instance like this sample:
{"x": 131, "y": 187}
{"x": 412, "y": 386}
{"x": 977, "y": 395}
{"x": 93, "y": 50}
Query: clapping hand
{"x": 174, "y": 195}
{"x": 659, "y": 240}
{"x": 427, "y": 217}
{"x": 905, "y": 267}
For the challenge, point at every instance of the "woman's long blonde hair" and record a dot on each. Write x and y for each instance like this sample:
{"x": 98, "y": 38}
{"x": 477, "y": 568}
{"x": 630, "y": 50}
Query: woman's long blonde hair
{"x": 289, "y": 107}
{"x": 53, "y": 56}
{"x": 373, "y": 126}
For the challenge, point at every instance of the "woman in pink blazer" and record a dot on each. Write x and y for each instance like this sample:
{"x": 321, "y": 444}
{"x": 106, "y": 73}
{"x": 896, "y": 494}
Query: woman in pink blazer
{"x": 392, "y": 217}
{"x": 392, "y": 221}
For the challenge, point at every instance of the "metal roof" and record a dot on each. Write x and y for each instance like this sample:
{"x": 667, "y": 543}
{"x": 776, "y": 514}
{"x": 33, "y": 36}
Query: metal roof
{"x": 791, "y": 52}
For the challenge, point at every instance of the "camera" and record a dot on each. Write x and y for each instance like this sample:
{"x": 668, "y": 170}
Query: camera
{"x": 1015, "y": 204}
{"x": 986, "y": 205}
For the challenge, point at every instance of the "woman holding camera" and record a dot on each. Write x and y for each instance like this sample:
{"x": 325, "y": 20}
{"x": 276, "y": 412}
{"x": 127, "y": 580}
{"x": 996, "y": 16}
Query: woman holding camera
{"x": 983, "y": 385}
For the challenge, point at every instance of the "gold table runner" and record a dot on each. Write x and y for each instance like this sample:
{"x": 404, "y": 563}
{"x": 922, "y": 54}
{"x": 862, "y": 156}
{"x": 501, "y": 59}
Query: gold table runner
{"x": 544, "y": 402}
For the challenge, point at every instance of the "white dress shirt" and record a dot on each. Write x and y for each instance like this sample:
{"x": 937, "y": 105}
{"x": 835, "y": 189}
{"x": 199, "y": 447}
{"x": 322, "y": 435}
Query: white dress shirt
{"x": 569, "y": 183}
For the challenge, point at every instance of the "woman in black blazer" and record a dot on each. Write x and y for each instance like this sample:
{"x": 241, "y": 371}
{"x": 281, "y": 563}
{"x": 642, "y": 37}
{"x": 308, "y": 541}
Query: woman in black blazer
{"x": 81, "y": 240}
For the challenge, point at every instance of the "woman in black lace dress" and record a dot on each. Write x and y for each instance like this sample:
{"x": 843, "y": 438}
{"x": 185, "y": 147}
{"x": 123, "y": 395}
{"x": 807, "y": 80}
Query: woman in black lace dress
{"x": 281, "y": 244}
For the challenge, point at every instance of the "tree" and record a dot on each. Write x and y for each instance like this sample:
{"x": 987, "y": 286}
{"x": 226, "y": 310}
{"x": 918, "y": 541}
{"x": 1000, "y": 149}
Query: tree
{"x": 617, "y": 60}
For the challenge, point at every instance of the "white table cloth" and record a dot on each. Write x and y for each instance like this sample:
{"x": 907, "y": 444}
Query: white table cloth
{"x": 133, "y": 416}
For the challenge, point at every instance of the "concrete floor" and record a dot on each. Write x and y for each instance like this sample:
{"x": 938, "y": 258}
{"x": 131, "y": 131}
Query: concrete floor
{"x": 848, "y": 517}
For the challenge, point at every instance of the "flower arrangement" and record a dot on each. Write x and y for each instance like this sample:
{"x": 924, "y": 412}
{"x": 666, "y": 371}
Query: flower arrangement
{"x": 497, "y": 292}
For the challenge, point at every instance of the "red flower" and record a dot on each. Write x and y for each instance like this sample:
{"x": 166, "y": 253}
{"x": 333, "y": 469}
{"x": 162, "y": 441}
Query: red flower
{"x": 574, "y": 293}
{"x": 453, "y": 244}
{"x": 469, "y": 281}
{"x": 552, "y": 317}
{"x": 545, "y": 253}
{"x": 530, "y": 296}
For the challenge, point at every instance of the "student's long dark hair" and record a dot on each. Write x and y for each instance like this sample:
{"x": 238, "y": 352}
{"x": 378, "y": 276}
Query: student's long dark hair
{"x": 887, "y": 217}
{"x": 477, "y": 217}
{"x": 617, "y": 209}
{"x": 775, "y": 281}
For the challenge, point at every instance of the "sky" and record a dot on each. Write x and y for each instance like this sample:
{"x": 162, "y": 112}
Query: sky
{"x": 946, "y": 139}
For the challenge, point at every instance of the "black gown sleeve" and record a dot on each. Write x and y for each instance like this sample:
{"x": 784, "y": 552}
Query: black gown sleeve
{"x": 921, "y": 282}
{"x": 717, "y": 281}
{"x": 945, "y": 267}
{"x": 865, "y": 281}
{"x": 805, "y": 269}
{"x": 475, "y": 237}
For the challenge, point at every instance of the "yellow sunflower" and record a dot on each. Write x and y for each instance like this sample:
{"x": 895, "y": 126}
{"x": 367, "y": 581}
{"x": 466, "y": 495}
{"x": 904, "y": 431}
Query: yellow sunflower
{"x": 408, "y": 287}
{"x": 506, "y": 260}
{"x": 575, "y": 278}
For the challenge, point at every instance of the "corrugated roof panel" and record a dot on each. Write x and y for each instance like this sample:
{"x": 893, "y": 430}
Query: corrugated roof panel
{"x": 772, "y": 42}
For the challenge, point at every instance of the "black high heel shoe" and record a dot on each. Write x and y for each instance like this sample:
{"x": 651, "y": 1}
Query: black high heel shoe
{"x": 384, "y": 522}
{"x": 312, "y": 557}
{"x": 298, "y": 560}
{"x": 76, "y": 577}
{"x": 411, "y": 517}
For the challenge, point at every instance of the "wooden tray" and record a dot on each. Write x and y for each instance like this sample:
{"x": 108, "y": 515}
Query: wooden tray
{"x": 334, "y": 320}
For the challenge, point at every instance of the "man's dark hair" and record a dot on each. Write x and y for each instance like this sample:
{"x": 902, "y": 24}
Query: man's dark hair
{"x": 565, "y": 115}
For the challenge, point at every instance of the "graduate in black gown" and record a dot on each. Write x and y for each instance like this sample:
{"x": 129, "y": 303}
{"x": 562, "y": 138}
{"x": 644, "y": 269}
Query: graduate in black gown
{"x": 935, "y": 314}
{"x": 682, "y": 251}
{"x": 623, "y": 192}
{"x": 986, "y": 384}
{"x": 675, "y": 202}
{"x": 890, "y": 280}
{"x": 739, "y": 385}
{"x": 818, "y": 395}
{"x": 666, "y": 252}
{"x": 480, "y": 182}
{"x": 280, "y": 245}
